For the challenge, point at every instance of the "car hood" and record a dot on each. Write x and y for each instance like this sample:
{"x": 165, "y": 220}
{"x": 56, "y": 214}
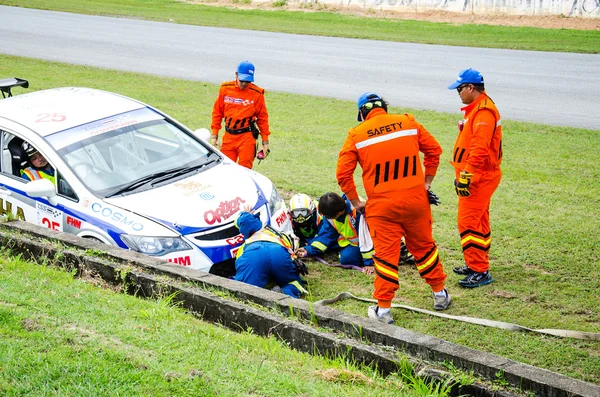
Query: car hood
{"x": 208, "y": 199}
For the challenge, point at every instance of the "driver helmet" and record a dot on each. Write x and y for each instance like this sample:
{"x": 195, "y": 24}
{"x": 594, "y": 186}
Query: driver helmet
{"x": 302, "y": 207}
{"x": 29, "y": 149}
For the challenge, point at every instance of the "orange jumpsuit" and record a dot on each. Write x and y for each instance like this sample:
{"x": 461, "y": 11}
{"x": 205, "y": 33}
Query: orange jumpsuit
{"x": 387, "y": 148}
{"x": 478, "y": 150}
{"x": 239, "y": 108}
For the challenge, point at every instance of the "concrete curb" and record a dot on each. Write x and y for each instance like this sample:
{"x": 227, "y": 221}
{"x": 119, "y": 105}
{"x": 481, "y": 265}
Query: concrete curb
{"x": 148, "y": 276}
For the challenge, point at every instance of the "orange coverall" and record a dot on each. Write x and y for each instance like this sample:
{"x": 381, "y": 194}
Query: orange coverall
{"x": 478, "y": 150}
{"x": 387, "y": 148}
{"x": 239, "y": 108}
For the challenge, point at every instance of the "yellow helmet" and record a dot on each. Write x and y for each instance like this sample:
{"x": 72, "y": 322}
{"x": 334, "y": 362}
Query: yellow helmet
{"x": 302, "y": 207}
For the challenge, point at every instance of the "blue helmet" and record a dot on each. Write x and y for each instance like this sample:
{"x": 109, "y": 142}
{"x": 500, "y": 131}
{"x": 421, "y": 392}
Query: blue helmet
{"x": 368, "y": 97}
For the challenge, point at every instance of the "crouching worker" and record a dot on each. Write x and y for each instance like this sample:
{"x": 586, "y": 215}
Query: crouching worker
{"x": 340, "y": 232}
{"x": 306, "y": 220}
{"x": 267, "y": 255}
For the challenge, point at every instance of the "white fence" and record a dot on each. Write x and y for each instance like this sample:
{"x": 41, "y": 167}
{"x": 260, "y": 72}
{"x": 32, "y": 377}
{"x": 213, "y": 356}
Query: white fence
{"x": 574, "y": 8}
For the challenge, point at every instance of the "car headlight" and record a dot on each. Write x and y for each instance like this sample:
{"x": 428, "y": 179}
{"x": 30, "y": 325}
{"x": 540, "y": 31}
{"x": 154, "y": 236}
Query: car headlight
{"x": 275, "y": 201}
{"x": 156, "y": 246}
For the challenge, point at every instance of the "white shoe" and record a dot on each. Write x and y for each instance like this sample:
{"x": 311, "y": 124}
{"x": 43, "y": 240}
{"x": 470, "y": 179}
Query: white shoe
{"x": 442, "y": 302}
{"x": 384, "y": 318}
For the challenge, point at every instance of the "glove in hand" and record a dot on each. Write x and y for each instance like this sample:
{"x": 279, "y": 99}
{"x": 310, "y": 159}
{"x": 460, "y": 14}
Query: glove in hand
{"x": 433, "y": 198}
{"x": 301, "y": 267}
{"x": 462, "y": 185}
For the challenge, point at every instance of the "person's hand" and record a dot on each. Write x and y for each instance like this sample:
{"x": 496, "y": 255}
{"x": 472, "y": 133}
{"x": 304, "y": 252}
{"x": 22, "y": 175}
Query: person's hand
{"x": 301, "y": 253}
{"x": 246, "y": 208}
{"x": 462, "y": 185}
{"x": 359, "y": 204}
{"x": 265, "y": 149}
{"x": 433, "y": 198}
{"x": 214, "y": 140}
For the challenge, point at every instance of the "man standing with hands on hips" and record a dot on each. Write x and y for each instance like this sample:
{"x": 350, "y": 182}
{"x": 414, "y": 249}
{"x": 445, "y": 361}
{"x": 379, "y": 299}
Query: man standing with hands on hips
{"x": 242, "y": 104}
{"x": 476, "y": 159}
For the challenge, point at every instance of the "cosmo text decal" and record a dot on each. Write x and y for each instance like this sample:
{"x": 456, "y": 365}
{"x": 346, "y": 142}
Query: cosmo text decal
{"x": 225, "y": 210}
{"x": 114, "y": 215}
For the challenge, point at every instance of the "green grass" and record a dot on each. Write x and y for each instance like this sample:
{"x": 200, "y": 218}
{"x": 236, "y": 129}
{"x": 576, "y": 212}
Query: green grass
{"x": 325, "y": 23}
{"x": 546, "y": 242}
{"x": 65, "y": 337}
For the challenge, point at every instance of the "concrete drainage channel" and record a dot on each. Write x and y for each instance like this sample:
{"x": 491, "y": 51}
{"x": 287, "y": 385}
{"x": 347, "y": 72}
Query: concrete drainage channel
{"x": 149, "y": 277}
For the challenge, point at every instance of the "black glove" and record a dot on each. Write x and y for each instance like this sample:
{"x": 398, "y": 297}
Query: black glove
{"x": 300, "y": 267}
{"x": 462, "y": 185}
{"x": 433, "y": 198}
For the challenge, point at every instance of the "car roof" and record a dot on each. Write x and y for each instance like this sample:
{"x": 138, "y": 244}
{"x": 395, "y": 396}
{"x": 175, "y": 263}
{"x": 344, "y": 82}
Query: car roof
{"x": 48, "y": 111}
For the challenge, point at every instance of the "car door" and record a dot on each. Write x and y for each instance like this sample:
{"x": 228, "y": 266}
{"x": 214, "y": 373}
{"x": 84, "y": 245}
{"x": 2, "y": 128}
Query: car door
{"x": 15, "y": 203}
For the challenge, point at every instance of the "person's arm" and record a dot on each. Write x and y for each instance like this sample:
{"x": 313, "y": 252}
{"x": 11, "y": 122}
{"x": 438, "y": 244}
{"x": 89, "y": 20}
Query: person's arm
{"x": 262, "y": 120}
{"x": 218, "y": 113}
{"x": 346, "y": 164}
{"x": 321, "y": 242}
{"x": 484, "y": 125}
{"x": 432, "y": 151}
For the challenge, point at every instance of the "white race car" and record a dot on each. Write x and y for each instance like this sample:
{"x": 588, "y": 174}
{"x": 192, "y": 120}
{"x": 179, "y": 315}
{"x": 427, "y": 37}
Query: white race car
{"x": 129, "y": 175}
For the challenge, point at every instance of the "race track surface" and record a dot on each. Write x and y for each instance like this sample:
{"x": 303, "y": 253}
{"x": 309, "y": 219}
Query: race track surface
{"x": 542, "y": 87}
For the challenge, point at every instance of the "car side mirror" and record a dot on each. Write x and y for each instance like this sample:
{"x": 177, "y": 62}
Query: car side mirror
{"x": 41, "y": 188}
{"x": 203, "y": 134}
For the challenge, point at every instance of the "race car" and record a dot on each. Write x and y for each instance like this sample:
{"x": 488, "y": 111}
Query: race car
{"x": 127, "y": 174}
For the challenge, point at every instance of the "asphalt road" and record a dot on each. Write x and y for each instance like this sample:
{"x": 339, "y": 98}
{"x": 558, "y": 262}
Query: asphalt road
{"x": 542, "y": 87}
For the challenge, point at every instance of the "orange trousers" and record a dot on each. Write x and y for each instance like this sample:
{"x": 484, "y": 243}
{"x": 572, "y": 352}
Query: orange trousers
{"x": 474, "y": 220}
{"x": 391, "y": 217}
{"x": 240, "y": 148}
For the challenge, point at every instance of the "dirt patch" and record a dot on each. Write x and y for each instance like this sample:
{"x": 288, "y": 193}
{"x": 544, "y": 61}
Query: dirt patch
{"x": 538, "y": 21}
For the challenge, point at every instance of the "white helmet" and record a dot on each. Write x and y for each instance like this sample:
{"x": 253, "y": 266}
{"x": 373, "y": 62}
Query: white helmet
{"x": 302, "y": 207}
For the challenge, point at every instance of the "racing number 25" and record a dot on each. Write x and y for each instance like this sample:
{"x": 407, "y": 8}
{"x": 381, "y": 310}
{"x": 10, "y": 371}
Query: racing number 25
{"x": 50, "y": 117}
{"x": 51, "y": 224}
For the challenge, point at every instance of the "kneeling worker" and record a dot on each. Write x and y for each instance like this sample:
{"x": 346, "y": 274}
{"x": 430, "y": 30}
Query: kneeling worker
{"x": 340, "y": 232}
{"x": 267, "y": 255}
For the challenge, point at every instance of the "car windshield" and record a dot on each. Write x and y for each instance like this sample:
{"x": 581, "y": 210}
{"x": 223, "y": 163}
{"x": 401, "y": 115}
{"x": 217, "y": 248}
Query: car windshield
{"x": 130, "y": 152}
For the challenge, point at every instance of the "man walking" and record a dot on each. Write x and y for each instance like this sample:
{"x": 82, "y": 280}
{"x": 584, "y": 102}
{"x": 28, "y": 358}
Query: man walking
{"x": 387, "y": 148}
{"x": 476, "y": 159}
{"x": 242, "y": 104}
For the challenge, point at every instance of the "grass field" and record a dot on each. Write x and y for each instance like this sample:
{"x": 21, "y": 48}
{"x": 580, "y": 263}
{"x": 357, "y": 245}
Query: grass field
{"x": 544, "y": 216}
{"x": 325, "y": 23}
{"x": 57, "y": 338}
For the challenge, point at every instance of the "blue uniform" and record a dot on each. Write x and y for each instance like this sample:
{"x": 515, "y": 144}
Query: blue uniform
{"x": 266, "y": 255}
{"x": 341, "y": 234}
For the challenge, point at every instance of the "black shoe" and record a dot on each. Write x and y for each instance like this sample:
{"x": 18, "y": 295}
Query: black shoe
{"x": 463, "y": 271}
{"x": 406, "y": 258}
{"x": 476, "y": 280}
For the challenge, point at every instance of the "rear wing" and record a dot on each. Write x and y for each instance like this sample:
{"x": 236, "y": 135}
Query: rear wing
{"x": 7, "y": 84}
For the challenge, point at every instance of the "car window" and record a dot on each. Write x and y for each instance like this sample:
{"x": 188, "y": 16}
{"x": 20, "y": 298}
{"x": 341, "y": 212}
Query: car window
{"x": 12, "y": 156}
{"x": 114, "y": 152}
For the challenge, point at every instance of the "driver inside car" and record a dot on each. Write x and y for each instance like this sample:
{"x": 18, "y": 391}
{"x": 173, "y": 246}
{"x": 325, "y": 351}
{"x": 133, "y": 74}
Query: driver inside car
{"x": 39, "y": 167}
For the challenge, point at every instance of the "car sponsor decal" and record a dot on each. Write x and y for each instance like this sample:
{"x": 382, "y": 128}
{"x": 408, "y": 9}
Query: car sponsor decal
{"x": 224, "y": 211}
{"x": 182, "y": 260}
{"x": 239, "y": 239}
{"x": 112, "y": 214}
{"x": 207, "y": 196}
{"x": 76, "y": 223}
{"x": 65, "y": 138}
{"x": 6, "y": 209}
{"x": 281, "y": 219}
{"x": 191, "y": 188}
{"x": 49, "y": 217}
